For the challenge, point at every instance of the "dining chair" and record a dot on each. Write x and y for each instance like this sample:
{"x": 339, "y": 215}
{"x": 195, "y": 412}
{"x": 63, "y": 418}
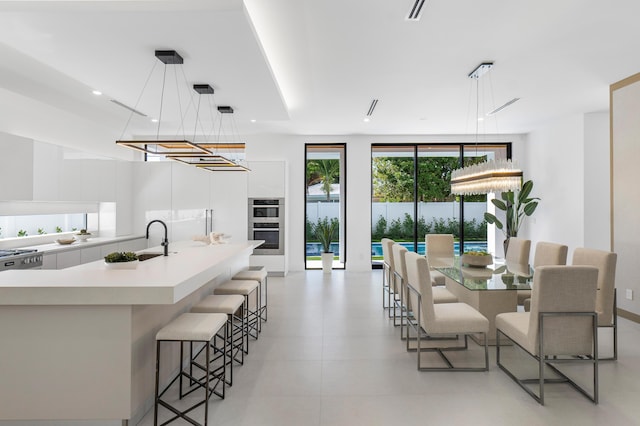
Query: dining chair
{"x": 518, "y": 251}
{"x": 439, "y": 248}
{"x": 387, "y": 272}
{"x": 606, "y": 305}
{"x": 561, "y": 327}
{"x": 546, "y": 254}
{"x": 440, "y": 294}
{"x": 443, "y": 319}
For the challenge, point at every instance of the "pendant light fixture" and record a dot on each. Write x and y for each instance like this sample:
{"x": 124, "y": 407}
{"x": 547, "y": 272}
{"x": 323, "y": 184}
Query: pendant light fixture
{"x": 492, "y": 175}
{"x": 204, "y": 155}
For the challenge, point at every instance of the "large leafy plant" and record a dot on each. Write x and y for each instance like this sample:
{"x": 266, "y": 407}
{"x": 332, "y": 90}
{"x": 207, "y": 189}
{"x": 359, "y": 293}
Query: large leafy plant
{"x": 517, "y": 206}
{"x": 326, "y": 230}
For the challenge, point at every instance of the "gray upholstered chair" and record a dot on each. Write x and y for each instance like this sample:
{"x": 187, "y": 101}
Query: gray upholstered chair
{"x": 518, "y": 251}
{"x": 440, "y": 294}
{"x": 387, "y": 272}
{"x": 443, "y": 319}
{"x": 606, "y": 307}
{"x": 546, "y": 254}
{"x": 561, "y": 327}
{"x": 439, "y": 251}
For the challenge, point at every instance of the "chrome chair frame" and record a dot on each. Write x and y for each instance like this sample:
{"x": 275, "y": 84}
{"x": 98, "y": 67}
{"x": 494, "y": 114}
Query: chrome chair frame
{"x": 547, "y": 360}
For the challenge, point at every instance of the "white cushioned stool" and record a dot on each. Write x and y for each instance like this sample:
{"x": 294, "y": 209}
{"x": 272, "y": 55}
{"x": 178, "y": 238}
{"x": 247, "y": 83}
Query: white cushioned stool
{"x": 230, "y": 306}
{"x": 192, "y": 327}
{"x": 257, "y": 273}
{"x": 244, "y": 288}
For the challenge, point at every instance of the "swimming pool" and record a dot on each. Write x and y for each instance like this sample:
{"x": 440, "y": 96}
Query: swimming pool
{"x": 315, "y": 249}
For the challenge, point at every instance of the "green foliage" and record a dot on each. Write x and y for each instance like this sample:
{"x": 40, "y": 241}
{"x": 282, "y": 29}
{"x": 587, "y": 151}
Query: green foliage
{"x": 402, "y": 230}
{"x": 326, "y": 230}
{"x": 517, "y": 206}
{"x": 325, "y": 171}
{"x": 41, "y": 231}
{"x": 22, "y": 233}
{"x": 58, "y": 229}
{"x": 117, "y": 257}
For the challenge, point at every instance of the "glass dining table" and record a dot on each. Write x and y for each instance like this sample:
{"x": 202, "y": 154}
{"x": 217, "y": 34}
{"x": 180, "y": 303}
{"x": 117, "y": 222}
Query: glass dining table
{"x": 491, "y": 290}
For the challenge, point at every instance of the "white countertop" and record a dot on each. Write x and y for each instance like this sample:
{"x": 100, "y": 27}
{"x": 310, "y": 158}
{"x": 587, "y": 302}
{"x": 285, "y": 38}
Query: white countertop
{"x": 93, "y": 241}
{"x": 161, "y": 280}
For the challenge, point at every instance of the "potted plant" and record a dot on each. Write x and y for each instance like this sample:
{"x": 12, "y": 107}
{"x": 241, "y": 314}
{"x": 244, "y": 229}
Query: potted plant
{"x": 83, "y": 235}
{"x": 121, "y": 260}
{"x": 325, "y": 231}
{"x": 517, "y": 206}
{"x": 478, "y": 259}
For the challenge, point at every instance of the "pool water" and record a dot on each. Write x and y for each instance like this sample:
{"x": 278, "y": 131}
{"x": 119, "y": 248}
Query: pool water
{"x": 315, "y": 249}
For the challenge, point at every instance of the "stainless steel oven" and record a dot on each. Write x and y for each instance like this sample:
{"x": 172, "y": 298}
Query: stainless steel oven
{"x": 266, "y": 222}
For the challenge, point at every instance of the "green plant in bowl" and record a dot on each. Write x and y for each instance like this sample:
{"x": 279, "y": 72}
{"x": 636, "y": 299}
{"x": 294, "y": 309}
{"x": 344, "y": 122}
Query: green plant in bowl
{"x": 118, "y": 257}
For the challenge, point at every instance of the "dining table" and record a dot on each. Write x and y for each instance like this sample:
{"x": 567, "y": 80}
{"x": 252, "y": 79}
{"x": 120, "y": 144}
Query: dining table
{"x": 491, "y": 289}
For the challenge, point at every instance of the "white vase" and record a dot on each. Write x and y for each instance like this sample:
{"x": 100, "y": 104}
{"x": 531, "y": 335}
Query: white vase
{"x": 327, "y": 262}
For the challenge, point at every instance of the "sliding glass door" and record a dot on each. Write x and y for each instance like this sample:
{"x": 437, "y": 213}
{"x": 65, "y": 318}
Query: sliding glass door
{"x": 411, "y": 195}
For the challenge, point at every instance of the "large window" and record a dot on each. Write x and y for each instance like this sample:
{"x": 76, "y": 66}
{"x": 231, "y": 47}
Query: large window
{"x": 325, "y": 206}
{"x": 411, "y": 195}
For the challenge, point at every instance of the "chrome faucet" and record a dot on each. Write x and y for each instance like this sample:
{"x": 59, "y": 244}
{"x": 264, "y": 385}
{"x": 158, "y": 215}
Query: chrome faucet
{"x": 165, "y": 241}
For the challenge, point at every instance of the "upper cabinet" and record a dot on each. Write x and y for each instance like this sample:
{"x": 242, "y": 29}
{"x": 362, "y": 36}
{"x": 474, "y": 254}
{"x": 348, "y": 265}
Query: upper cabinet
{"x": 16, "y": 168}
{"x": 267, "y": 179}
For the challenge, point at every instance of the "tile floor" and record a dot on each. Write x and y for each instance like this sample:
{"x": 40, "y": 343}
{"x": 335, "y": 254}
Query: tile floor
{"x": 329, "y": 356}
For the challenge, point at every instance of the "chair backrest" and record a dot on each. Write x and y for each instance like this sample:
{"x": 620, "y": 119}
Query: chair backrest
{"x": 605, "y": 261}
{"x": 400, "y": 264}
{"x": 550, "y": 254}
{"x": 387, "y": 255}
{"x": 518, "y": 251}
{"x": 563, "y": 289}
{"x": 438, "y": 247}
{"x": 418, "y": 277}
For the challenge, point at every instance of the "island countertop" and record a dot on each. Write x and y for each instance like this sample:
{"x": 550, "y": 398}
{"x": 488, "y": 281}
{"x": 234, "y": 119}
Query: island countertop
{"x": 161, "y": 280}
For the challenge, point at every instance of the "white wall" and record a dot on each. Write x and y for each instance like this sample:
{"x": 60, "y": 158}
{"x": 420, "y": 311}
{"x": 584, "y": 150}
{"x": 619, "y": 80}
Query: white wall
{"x": 597, "y": 181}
{"x": 554, "y": 160}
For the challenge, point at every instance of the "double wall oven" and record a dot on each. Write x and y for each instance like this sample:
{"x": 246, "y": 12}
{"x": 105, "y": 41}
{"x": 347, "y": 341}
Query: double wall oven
{"x": 266, "y": 222}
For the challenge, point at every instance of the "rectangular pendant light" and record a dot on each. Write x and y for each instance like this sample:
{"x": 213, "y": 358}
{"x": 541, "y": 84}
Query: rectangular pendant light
{"x": 165, "y": 147}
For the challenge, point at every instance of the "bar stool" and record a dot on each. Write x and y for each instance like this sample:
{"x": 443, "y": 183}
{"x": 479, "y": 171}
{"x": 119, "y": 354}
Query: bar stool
{"x": 229, "y": 305}
{"x": 244, "y": 288}
{"x": 257, "y": 273}
{"x": 192, "y": 327}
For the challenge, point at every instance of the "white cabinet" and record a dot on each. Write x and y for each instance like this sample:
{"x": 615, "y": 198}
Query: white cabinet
{"x": 108, "y": 248}
{"x": 67, "y": 259}
{"x": 90, "y": 254}
{"x": 229, "y": 204}
{"x": 267, "y": 179}
{"x": 50, "y": 261}
{"x": 16, "y": 167}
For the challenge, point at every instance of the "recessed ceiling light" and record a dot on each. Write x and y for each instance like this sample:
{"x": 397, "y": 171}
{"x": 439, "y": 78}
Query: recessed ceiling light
{"x": 97, "y": 92}
{"x": 480, "y": 119}
{"x": 253, "y": 120}
{"x": 366, "y": 119}
{"x": 154, "y": 120}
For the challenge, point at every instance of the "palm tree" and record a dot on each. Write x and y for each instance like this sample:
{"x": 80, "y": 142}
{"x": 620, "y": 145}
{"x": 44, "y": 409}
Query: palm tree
{"x": 325, "y": 171}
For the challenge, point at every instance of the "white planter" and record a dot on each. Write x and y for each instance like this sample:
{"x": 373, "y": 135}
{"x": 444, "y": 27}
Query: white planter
{"x": 122, "y": 265}
{"x": 327, "y": 262}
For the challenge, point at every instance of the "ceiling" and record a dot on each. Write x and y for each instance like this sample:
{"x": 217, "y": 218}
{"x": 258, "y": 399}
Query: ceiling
{"x": 306, "y": 67}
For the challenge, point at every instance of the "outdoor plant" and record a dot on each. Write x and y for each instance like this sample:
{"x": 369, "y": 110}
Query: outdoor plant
{"x": 58, "y": 229}
{"x": 516, "y": 205}
{"x": 117, "y": 257}
{"x": 22, "y": 233}
{"x": 41, "y": 231}
{"x": 326, "y": 230}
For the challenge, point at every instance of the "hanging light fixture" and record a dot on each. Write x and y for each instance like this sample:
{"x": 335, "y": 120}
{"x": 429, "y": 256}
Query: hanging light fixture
{"x": 204, "y": 155}
{"x": 489, "y": 176}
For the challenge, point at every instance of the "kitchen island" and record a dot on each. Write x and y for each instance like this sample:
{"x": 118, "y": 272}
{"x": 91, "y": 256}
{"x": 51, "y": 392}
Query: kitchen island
{"x": 79, "y": 343}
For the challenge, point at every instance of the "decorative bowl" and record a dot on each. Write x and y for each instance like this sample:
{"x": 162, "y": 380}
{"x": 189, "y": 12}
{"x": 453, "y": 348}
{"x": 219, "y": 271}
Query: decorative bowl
{"x": 477, "y": 260}
{"x": 122, "y": 265}
{"x": 82, "y": 237}
{"x": 65, "y": 241}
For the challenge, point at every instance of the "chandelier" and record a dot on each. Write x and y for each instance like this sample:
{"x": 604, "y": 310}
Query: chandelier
{"x": 499, "y": 175}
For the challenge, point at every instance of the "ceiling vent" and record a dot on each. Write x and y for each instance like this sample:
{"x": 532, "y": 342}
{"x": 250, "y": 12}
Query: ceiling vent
{"x": 500, "y": 108}
{"x": 374, "y": 103}
{"x": 416, "y": 10}
{"x": 128, "y": 107}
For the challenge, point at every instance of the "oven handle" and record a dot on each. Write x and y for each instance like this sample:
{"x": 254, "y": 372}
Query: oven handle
{"x": 266, "y": 229}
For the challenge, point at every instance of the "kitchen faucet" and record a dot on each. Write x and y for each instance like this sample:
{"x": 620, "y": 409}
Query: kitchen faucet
{"x": 165, "y": 241}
